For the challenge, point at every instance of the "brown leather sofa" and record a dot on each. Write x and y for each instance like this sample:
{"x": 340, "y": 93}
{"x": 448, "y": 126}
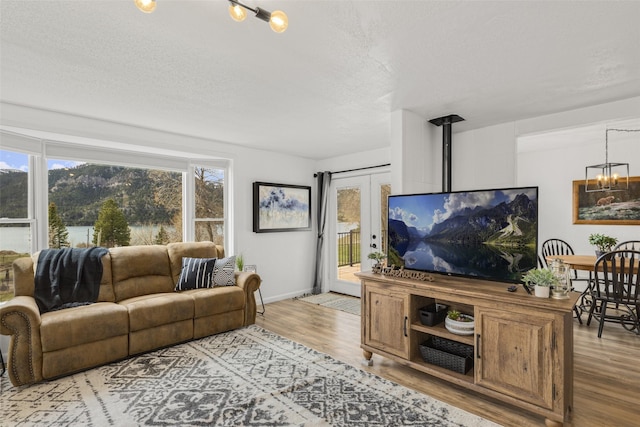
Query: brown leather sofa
{"x": 137, "y": 311}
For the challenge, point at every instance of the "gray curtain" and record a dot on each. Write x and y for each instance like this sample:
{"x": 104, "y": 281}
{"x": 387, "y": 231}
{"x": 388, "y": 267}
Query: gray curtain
{"x": 323, "y": 181}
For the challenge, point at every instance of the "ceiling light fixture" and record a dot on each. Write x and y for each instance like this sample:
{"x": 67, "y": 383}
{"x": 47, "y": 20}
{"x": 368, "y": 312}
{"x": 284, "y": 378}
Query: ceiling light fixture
{"x": 608, "y": 176}
{"x": 278, "y": 20}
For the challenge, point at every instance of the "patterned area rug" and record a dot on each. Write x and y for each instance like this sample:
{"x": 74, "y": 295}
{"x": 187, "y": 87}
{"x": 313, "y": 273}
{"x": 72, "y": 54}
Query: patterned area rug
{"x": 336, "y": 301}
{"x": 247, "y": 377}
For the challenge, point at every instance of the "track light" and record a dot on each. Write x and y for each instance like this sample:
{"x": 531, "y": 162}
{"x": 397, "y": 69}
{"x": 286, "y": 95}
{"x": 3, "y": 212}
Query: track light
{"x": 237, "y": 12}
{"x": 278, "y": 20}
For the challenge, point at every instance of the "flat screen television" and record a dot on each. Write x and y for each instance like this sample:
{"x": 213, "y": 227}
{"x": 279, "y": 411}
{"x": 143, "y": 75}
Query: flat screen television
{"x": 485, "y": 234}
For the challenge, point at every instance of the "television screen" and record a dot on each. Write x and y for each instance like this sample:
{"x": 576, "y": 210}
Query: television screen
{"x": 487, "y": 234}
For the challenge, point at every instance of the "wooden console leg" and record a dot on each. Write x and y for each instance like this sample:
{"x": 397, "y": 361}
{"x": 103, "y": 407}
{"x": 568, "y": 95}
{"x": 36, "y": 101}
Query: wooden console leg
{"x": 367, "y": 358}
{"x": 551, "y": 423}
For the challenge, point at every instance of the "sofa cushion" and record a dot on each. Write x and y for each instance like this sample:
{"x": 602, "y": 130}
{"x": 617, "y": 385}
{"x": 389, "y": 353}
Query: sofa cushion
{"x": 80, "y": 325}
{"x": 149, "y": 311}
{"x": 196, "y": 273}
{"x": 140, "y": 270}
{"x": 217, "y": 300}
{"x": 177, "y": 251}
{"x": 224, "y": 272}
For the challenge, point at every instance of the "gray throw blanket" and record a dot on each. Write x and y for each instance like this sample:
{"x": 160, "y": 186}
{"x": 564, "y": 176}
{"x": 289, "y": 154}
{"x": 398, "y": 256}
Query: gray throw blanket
{"x": 68, "y": 277}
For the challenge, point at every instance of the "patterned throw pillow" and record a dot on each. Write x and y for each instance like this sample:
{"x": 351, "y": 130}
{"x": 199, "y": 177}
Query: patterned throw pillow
{"x": 224, "y": 272}
{"x": 196, "y": 273}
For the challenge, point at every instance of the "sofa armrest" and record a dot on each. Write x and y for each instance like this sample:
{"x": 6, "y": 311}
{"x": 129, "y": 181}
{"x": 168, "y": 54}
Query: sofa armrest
{"x": 21, "y": 319}
{"x": 249, "y": 282}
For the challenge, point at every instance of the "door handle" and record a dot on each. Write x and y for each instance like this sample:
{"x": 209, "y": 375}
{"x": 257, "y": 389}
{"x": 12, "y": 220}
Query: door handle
{"x": 373, "y": 245}
{"x": 477, "y": 346}
{"x": 373, "y": 237}
{"x": 406, "y": 319}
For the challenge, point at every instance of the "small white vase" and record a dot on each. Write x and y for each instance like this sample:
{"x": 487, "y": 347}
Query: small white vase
{"x": 542, "y": 291}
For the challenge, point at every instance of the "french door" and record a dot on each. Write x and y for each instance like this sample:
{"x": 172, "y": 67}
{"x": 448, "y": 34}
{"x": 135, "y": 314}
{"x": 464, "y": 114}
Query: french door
{"x": 357, "y": 227}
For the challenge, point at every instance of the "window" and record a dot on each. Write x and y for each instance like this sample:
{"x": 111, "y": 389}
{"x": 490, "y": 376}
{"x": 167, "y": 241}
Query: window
{"x": 92, "y": 204}
{"x": 209, "y": 204}
{"x": 16, "y": 218}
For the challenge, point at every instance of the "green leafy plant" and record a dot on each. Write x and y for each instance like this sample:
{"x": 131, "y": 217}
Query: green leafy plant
{"x": 453, "y": 314}
{"x": 376, "y": 256}
{"x": 603, "y": 242}
{"x": 240, "y": 262}
{"x": 456, "y": 315}
{"x": 539, "y": 277}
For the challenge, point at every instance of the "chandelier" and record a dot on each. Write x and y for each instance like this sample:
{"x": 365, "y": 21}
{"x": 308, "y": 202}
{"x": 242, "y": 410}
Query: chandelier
{"x": 277, "y": 20}
{"x": 608, "y": 176}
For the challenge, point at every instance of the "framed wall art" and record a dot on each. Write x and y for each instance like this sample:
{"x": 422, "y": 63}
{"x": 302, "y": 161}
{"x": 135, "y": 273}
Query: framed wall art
{"x": 607, "y": 207}
{"x": 281, "y": 207}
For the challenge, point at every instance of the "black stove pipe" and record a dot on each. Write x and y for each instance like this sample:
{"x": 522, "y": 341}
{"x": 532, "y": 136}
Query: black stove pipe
{"x": 446, "y": 122}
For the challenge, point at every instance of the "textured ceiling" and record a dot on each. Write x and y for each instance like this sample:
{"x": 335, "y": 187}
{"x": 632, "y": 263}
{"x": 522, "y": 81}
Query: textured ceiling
{"x": 327, "y": 85}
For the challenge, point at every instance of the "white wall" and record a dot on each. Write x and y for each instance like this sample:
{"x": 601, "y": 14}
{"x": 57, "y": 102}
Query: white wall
{"x": 484, "y": 158}
{"x": 285, "y": 260}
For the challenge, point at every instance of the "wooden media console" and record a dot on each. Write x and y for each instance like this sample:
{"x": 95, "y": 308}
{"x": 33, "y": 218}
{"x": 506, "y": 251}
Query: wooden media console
{"x": 521, "y": 347}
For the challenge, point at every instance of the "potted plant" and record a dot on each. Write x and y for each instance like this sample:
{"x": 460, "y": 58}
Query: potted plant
{"x": 541, "y": 279}
{"x": 377, "y": 257}
{"x": 603, "y": 242}
{"x": 459, "y": 323}
{"x": 240, "y": 262}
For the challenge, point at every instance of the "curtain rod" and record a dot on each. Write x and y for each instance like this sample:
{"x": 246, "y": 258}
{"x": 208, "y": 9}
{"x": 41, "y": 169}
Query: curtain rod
{"x": 356, "y": 169}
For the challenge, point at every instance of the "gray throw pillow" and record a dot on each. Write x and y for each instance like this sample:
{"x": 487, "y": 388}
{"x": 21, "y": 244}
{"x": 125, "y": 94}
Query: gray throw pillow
{"x": 224, "y": 272}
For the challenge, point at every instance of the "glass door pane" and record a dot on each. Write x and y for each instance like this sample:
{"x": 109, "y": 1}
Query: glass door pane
{"x": 349, "y": 231}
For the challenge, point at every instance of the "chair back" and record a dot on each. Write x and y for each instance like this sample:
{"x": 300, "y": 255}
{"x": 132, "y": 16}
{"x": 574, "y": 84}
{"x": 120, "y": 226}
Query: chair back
{"x": 633, "y": 245}
{"x": 553, "y": 247}
{"x": 617, "y": 276}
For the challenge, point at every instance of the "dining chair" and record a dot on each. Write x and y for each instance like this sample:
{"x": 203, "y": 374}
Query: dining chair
{"x": 616, "y": 291}
{"x": 551, "y": 247}
{"x": 634, "y": 245}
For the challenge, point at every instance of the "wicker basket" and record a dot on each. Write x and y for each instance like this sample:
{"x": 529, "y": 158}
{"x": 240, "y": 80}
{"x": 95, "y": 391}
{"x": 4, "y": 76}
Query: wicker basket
{"x": 453, "y": 347}
{"x": 440, "y": 357}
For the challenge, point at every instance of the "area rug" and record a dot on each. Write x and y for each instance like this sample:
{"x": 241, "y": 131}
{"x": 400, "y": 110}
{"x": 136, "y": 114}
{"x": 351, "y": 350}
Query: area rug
{"x": 340, "y": 302}
{"x": 246, "y": 377}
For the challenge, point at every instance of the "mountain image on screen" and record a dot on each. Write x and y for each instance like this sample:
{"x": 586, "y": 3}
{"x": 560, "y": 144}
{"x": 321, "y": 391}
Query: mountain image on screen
{"x": 488, "y": 234}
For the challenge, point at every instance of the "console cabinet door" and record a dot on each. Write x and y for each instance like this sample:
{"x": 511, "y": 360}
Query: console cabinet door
{"x": 514, "y": 354}
{"x": 386, "y": 322}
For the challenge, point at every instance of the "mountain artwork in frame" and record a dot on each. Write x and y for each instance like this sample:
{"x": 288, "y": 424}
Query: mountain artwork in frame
{"x": 281, "y": 207}
{"x": 607, "y": 207}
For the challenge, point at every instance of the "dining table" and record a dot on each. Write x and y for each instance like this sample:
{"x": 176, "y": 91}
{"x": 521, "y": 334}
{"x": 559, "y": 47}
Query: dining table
{"x": 577, "y": 262}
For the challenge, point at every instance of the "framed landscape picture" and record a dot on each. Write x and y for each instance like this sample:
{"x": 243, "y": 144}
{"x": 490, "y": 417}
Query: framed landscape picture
{"x": 607, "y": 207}
{"x": 281, "y": 207}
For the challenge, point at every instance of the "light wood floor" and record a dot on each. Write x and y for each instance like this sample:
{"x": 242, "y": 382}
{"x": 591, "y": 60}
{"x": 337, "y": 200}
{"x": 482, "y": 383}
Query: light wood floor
{"x": 606, "y": 370}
